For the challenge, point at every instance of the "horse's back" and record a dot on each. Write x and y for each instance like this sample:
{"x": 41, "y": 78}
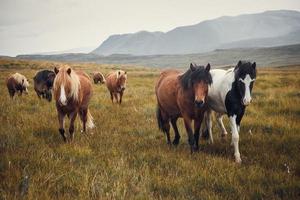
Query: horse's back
{"x": 166, "y": 91}
{"x": 166, "y": 74}
{"x": 222, "y": 83}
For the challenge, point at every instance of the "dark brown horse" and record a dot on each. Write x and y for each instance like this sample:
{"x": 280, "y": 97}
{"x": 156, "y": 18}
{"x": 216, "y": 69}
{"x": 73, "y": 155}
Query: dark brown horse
{"x": 72, "y": 91}
{"x": 182, "y": 95}
{"x": 98, "y": 77}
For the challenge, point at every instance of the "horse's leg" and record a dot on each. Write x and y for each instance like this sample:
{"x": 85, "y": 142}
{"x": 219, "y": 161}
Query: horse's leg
{"x": 116, "y": 96}
{"x": 221, "y": 125}
{"x": 61, "y": 125}
{"x": 111, "y": 97}
{"x": 239, "y": 119}
{"x": 121, "y": 95}
{"x": 83, "y": 117}
{"x": 197, "y": 126}
{"x": 208, "y": 122}
{"x": 187, "y": 124}
{"x": 72, "y": 120}
{"x": 177, "y": 135}
{"x": 235, "y": 137}
{"x": 11, "y": 93}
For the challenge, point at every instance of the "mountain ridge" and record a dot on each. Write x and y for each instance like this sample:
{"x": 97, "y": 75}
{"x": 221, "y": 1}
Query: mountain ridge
{"x": 204, "y": 36}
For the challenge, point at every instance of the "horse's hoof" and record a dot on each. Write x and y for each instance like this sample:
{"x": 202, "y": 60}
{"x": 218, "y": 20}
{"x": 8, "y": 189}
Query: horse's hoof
{"x": 238, "y": 160}
{"x": 175, "y": 142}
{"x": 223, "y": 135}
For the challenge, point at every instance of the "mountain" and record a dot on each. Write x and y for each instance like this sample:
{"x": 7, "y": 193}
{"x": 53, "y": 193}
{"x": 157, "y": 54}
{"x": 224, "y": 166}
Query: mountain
{"x": 270, "y": 28}
{"x": 271, "y": 56}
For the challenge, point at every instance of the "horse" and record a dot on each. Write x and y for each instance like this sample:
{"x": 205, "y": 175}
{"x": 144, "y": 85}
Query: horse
{"x": 229, "y": 94}
{"x": 72, "y": 92}
{"x": 43, "y": 83}
{"x": 116, "y": 84}
{"x": 182, "y": 95}
{"x": 17, "y": 83}
{"x": 98, "y": 77}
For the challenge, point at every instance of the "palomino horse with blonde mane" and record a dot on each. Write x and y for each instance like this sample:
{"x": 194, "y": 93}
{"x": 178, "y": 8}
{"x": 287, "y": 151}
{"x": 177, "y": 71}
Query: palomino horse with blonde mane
{"x": 182, "y": 95}
{"x": 72, "y": 91}
{"x": 116, "y": 84}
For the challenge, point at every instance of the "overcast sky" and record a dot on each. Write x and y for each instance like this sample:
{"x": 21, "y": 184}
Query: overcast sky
{"x": 32, "y": 26}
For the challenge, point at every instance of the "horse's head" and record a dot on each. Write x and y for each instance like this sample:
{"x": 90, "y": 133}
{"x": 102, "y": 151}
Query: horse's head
{"x": 50, "y": 79}
{"x": 102, "y": 78}
{"x": 245, "y": 75}
{"x": 121, "y": 80}
{"x": 66, "y": 85}
{"x": 198, "y": 79}
{"x": 25, "y": 84}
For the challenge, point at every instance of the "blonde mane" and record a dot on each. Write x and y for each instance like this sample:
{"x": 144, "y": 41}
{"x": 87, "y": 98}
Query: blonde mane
{"x": 72, "y": 81}
{"x": 19, "y": 78}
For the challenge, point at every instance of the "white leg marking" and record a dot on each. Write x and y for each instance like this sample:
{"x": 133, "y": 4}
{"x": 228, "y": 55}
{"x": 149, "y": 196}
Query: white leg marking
{"x": 209, "y": 126}
{"x": 235, "y": 138}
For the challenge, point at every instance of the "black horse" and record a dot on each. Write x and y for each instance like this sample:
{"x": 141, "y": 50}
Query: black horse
{"x": 43, "y": 82}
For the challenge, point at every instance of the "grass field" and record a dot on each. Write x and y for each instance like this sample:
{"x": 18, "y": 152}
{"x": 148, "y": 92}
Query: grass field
{"x": 128, "y": 158}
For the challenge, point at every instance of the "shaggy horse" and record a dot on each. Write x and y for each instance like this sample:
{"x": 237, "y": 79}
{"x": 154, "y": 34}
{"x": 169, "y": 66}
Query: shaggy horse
{"x": 98, "y": 77}
{"x": 116, "y": 84}
{"x": 72, "y": 91}
{"x": 182, "y": 95}
{"x": 17, "y": 83}
{"x": 43, "y": 83}
{"x": 229, "y": 94}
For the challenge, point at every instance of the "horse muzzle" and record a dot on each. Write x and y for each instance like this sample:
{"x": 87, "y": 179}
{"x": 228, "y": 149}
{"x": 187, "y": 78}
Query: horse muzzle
{"x": 199, "y": 103}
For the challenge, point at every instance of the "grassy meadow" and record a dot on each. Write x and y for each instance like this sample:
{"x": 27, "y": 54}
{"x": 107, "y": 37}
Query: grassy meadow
{"x": 127, "y": 157}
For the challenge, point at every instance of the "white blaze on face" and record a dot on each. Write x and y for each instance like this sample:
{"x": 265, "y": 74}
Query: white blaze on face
{"x": 63, "y": 98}
{"x": 247, "y": 81}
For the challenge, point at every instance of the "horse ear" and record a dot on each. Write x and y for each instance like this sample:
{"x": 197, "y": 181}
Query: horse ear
{"x": 192, "y": 67}
{"x": 56, "y": 70}
{"x": 254, "y": 65}
{"x": 207, "y": 67}
{"x": 69, "y": 71}
{"x": 239, "y": 63}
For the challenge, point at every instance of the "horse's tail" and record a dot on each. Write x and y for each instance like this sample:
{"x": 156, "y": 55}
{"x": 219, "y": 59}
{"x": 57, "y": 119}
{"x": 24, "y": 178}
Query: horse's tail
{"x": 160, "y": 121}
{"x": 205, "y": 133}
{"x": 90, "y": 121}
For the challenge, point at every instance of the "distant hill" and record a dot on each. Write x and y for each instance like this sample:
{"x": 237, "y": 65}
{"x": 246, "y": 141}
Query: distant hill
{"x": 270, "y": 28}
{"x": 272, "y": 56}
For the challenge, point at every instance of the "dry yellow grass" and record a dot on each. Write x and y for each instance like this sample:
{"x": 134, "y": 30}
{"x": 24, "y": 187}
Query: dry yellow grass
{"x": 128, "y": 158}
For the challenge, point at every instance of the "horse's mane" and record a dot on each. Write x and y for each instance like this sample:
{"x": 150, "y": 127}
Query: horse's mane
{"x": 199, "y": 74}
{"x": 73, "y": 79}
{"x": 19, "y": 77}
{"x": 241, "y": 67}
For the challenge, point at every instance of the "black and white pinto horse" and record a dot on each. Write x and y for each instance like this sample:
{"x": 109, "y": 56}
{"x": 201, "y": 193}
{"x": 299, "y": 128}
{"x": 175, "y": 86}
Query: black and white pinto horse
{"x": 229, "y": 94}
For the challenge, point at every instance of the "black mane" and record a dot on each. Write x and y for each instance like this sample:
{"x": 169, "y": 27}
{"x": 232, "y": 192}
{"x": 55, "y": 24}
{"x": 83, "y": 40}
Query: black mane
{"x": 243, "y": 68}
{"x": 193, "y": 76}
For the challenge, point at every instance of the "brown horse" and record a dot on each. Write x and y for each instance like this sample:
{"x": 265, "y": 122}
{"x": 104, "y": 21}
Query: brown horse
{"x": 17, "y": 83}
{"x": 72, "y": 91}
{"x": 98, "y": 77}
{"x": 182, "y": 95}
{"x": 116, "y": 84}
